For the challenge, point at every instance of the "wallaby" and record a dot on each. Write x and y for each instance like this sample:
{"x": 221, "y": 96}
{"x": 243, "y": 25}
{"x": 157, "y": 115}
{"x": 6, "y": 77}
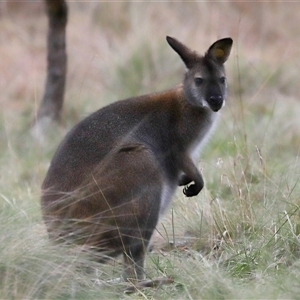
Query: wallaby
{"x": 116, "y": 171}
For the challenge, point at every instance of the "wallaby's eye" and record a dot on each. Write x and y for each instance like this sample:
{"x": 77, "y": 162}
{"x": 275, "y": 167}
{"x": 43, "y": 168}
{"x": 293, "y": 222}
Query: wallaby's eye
{"x": 198, "y": 80}
{"x": 223, "y": 80}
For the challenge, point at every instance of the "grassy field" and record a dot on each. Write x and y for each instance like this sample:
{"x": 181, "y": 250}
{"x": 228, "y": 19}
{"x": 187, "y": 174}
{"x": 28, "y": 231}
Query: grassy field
{"x": 239, "y": 239}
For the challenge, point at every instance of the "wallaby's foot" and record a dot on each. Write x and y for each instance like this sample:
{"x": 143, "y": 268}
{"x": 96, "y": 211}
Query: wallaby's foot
{"x": 153, "y": 283}
{"x": 110, "y": 282}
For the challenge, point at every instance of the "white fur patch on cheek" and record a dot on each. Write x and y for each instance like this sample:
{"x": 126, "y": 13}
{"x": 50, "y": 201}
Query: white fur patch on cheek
{"x": 198, "y": 99}
{"x": 195, "y": 93}
{"x": 205, "y": 104}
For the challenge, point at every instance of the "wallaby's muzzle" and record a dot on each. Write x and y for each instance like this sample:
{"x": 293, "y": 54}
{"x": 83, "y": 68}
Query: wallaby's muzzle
{"x": 216, "y": 102}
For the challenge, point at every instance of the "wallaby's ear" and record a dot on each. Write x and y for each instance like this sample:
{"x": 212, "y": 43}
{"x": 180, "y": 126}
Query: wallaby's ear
{"x": 220, "y": 50}
{"x": 186, "y": 54}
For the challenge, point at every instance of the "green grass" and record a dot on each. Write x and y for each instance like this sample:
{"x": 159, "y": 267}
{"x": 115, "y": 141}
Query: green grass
{"x": 240, "y": 235}
{"x": 238, "y": 239}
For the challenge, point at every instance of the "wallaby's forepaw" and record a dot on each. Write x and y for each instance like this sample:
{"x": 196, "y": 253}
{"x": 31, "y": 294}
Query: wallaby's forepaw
{"x": 192, "y": 190}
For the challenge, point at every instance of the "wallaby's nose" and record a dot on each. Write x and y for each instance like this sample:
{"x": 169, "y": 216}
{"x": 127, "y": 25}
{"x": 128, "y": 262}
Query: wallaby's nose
{"x": 216, "y": 102}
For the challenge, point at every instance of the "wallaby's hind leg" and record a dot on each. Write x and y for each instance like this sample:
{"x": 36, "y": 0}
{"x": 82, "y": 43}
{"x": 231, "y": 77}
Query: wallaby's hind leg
{"x": 134, "y": 255}
{"x": 115, "y": 210}
{"x": 134, "y": 261}
{"x": 137, "y": 203}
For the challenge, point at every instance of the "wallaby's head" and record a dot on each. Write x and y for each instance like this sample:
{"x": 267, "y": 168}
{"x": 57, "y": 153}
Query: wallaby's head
{"x": 205, "y": 81}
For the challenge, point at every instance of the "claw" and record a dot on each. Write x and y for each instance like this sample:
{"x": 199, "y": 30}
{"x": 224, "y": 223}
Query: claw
{"x": 191, "y": 190}
{"x": 185, "y": 190}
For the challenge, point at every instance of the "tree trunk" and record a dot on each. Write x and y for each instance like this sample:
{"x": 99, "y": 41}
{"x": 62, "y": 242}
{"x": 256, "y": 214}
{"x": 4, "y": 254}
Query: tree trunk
{"x": 52, "y": 102}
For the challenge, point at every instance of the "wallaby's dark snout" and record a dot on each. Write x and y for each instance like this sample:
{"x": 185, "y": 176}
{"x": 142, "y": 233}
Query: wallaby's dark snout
{"x": 216, "y": 102}
{"x": 115, "y": 172}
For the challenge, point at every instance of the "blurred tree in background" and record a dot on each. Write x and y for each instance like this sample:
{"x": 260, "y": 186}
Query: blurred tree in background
{"x": 52, "y": 101}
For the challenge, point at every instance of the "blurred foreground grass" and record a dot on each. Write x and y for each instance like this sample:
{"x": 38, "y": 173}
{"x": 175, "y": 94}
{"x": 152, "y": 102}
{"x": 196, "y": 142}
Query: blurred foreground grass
{"x": 239, "y": 238}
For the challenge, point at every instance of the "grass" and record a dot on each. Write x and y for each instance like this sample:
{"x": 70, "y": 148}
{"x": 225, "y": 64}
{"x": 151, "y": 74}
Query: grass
{"x": 239, "y": 238}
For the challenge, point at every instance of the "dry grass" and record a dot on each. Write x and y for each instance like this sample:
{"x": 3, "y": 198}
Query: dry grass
{"x": 240, "y": 237}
